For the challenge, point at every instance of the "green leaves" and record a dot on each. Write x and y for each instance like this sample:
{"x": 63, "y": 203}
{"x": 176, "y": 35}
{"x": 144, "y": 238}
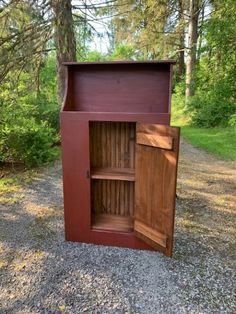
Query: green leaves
{"x": 215, "y": 101}
{"x": 29, "y": 142}
{"x": 29, "y": 119}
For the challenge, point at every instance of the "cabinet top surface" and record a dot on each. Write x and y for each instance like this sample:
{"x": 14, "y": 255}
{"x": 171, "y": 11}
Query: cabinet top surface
{"x": 121, "y": 62}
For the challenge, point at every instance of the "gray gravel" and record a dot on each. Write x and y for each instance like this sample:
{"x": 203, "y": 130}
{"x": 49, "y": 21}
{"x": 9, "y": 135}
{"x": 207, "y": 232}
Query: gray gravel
{"x": 41, "y": 273}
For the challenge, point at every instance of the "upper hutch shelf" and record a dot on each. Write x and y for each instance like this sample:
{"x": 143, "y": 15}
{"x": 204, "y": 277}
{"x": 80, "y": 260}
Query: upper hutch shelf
{"x": 118, "y": 87}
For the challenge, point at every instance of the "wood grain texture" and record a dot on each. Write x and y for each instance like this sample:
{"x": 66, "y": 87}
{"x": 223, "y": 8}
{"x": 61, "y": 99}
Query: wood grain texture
{"x": 112, "y": 145}
{"x": 112, "y": 167}
{"x": 112, "y": 222}
{"x": 125, "y": 174}
{"x": 155, "y": 183}
{"x": 108, "y": 196}
{"x": 164, "y": 142}
{"x": 150, "y": 233}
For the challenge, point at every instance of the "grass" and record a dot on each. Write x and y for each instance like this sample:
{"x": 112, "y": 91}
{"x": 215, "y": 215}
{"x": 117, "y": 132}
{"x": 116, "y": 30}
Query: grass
{"x": 11, "y": 186}
{"x": 218, "y": 141}
{"x": 8, "y": 186}
{"x": 12, "y": 179}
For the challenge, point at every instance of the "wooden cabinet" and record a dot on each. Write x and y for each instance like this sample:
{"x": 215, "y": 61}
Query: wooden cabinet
{"x": 119, "y": 154}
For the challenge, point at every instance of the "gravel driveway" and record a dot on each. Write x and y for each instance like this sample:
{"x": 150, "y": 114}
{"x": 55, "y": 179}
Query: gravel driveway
{"x": 41, "y": 273}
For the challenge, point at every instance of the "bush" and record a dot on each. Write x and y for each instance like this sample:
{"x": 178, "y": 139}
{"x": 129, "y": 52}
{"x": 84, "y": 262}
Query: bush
{"x": 47, "y": 110}
{"x": 215, "y": 99}
{"x": 29, "y": 142}
{"x": 178, "y": 115}
{"x": 213, "y": 107}
{"x": 232, "y": 121}
{"x": 29, "y": 117}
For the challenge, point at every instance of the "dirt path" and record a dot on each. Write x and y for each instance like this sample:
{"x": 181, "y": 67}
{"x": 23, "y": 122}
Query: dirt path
{"x": 41, "y": 273}
{"x": 206, "y": 206}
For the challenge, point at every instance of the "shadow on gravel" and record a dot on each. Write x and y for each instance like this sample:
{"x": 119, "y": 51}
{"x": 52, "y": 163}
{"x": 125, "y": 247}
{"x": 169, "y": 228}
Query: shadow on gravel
{"x": 44, "y": 274}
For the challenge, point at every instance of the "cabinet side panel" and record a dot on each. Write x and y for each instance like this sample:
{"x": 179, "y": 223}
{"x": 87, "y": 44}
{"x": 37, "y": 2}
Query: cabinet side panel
{"x": 68, "y": 97}
{"x": 76, "y": 182}
{"x": 170, "y": 87}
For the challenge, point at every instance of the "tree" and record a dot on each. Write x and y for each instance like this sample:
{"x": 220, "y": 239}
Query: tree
{"x": 144, "y": 25}
{"x": 28, "y": 107}
{"x": 29, "y": 28}
{"x": 24, "y": 36}
{"x": 180, "y": 28}
{"x": 194, "y": 9}
{"x": 64, "y": 37}
{"x": 214, "y": 102}
{"x": 155, "y": 28}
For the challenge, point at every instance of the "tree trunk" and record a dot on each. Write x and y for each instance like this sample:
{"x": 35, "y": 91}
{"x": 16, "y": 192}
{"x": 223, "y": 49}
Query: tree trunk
{"x": 181, "y": 26}
{"x": 200, "y": 35}
{"x": 64, "y": 37}
{"x": 181, "y": 63}
{"x": 192, "y": 47}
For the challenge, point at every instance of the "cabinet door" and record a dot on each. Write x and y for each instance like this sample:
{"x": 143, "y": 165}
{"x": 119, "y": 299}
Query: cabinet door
{"x": 157, "y": 148}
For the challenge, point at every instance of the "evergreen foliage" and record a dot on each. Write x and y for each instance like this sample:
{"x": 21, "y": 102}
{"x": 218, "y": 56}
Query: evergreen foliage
{"x": 36, "y": 36}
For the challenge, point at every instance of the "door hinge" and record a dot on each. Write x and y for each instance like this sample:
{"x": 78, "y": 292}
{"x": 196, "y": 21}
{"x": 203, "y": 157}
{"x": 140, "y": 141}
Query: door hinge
{"x": 88, "y": 174}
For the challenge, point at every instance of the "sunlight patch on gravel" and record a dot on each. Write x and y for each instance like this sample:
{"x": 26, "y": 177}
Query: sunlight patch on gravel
{"x": 42, "y": 273}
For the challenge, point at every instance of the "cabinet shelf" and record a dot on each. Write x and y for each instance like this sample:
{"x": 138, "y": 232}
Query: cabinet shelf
{"x": 112, "y": 222}
{"x": 124, "y": 174}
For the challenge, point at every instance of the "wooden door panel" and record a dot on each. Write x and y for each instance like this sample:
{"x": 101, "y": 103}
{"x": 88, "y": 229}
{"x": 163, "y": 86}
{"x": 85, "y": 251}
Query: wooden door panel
{"x": 165, "y": 142}
{"x": 155, "y": 188}
{"x": 148, "y": 232}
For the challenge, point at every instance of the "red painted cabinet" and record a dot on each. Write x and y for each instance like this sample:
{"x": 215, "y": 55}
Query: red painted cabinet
{"x": 119, "y": 155}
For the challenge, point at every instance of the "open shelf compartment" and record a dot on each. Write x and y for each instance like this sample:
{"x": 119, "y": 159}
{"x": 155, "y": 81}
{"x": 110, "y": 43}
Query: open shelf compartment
{"x": 112, "y": 151}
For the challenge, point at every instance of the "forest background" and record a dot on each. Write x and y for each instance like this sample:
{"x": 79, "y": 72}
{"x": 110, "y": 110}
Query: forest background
{"x": 37, "y": 36}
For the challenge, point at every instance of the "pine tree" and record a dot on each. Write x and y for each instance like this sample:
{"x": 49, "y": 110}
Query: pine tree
{"x": 64, "y": 37}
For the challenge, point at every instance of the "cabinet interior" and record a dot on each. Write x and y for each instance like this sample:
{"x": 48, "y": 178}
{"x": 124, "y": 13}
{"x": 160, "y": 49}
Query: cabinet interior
{"x": 112, "y": 163}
